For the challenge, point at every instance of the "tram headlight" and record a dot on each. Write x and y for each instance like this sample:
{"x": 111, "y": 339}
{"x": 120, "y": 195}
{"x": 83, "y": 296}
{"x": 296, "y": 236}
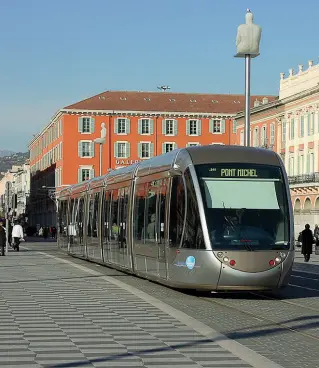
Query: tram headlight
{"x": 226, "y": 259}
{"x": 278, "y": 259}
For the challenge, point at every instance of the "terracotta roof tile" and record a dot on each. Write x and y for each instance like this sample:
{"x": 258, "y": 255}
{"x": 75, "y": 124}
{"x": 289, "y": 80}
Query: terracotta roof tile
{"x": 166, "y": 101}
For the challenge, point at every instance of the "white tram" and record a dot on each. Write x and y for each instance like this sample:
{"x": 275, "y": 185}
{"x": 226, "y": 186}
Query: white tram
{"x": 206, "y": 218}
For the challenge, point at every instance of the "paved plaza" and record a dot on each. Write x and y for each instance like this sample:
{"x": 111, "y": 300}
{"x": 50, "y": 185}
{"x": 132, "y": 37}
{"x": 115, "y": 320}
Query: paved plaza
{"x": 59, "y": 311}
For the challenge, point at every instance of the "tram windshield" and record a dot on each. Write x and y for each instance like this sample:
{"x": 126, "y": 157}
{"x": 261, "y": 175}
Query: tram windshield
{"x": 246, "y": 206}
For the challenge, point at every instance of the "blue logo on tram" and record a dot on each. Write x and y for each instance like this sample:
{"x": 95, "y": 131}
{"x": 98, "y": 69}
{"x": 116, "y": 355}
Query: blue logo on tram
{"x": 190, "y": 262}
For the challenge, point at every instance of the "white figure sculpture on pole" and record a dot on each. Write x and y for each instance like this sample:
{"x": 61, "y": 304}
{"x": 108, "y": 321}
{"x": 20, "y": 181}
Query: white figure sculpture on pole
{"x": 247, "y": 42}
{"x": 248, "y": 36}
{"x": 103, "y": 131}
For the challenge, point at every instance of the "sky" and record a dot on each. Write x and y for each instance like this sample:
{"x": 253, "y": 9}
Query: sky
{"x": 56, "y": 52}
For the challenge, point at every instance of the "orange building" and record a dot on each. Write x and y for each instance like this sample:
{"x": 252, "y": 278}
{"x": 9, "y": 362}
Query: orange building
{"x": 138, "y": 125}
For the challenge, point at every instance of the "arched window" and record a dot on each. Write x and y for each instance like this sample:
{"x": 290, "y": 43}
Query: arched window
{"x": 307, "y": 206}
{"x": 297, "y": 206}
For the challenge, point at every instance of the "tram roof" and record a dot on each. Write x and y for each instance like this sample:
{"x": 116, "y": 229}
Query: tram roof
{"x": 232, "y": 154}
{"x": 199, "y": 155}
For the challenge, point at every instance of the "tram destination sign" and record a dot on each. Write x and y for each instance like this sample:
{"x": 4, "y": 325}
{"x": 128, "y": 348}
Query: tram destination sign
{"x": 240, "y": 171}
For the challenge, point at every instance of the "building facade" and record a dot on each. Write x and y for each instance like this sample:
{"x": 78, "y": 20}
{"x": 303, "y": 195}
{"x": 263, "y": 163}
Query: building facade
{"x": 138, "y": 125}
{"x": 21, "y": 189}
{"x": 290, "y": 126}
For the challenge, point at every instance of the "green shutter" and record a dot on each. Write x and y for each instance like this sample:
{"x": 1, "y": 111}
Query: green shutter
{"x": 139, "y": 126}
{"x": 163, "y": 148}
{"x": 151, "y": 149}
{"x": 80, "y": 151}
{"x": 92, "y": 125}
{"x": 80, "y": 124}
{"x": 115, "y": 149}
{"x": 211, "y": 126}
{"x": 222, "y": 126}
{"x": 127, "y": 126}
{"x": 163, "y": 126}
{"x": 199, "y": 127}
{"x": 92, "y": 149}
{"x": 139, "y": 150}
{"x": 175, "y": 129}
{"x": 188, "y": 127}
{"x": 128, "y": 150}
{"x": 151, "y": 126}
{"x": 116, "y": 125}
{"x": 79, "y": 175}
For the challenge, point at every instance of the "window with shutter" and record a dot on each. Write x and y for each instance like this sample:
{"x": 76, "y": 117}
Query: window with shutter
{"x": 121, "y": 150}
{"x": 121, "y": 126}
{"x": 84, "y": 125}
{"x": 215, "y": 126}
{"x": 145, "y": 126}
{"x": 86, "y": 149}
{"x": 193, "y": 127}
{"x": 167, "y": 147}
{"x": 145, "y": 150}
{"x": 169, "y": 127}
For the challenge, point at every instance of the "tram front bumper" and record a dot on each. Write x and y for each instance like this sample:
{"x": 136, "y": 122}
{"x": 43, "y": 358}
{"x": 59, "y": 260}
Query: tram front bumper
{"x": 232, "y": 279}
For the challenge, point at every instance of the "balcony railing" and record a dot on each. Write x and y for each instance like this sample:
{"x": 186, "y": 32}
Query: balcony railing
{"x": 305, "y": 178}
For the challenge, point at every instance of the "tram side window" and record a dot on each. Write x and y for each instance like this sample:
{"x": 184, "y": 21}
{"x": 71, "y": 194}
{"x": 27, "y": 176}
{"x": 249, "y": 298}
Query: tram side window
{"x": 114, "y": 214}
{"x": 71, "y": 227}
{"x": 177, "y": 211}
{"x": 124, "y": 213}
{"x": 95, "y": 216}
{"x": 193, "y": 236}
{"x": 139, "y": 210}
{"x": 106, "y": 215}
{"x": 63, "y": 217}
{"x": 161, "y": 210}
{"x": 150, "y": 214}
{"x": 79, "y": 219}
{"x": 90, "y": 216}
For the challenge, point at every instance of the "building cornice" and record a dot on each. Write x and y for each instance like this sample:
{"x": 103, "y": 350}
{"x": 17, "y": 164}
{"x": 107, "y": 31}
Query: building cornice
{"x": 277, "y": 103}
{"x": 147, "y": 113}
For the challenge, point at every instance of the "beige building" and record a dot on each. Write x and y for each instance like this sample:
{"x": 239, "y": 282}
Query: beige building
{"x": 290, "y": 126}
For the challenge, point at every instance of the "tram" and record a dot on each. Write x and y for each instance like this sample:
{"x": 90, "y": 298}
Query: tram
{"x": 214, "y": 217}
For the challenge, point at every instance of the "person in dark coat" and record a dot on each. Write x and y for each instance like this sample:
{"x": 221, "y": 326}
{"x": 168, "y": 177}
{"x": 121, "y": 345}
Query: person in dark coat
{"x": 307, "y": 242}
{"x": 2, "y": 239}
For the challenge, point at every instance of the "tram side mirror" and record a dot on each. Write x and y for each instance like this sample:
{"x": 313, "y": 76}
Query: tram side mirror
{"x": 175, "y": 170}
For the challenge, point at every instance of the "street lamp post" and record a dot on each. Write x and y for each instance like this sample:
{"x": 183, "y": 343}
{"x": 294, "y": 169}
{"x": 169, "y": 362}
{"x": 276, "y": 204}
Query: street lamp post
{"x": 100, "y": 141}
{"x": 247, "y": 42}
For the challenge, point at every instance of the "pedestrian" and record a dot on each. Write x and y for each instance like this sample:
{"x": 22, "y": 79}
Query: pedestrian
{"x": 3, "y": 239}
{"x": 307, "y": 242}
{"x": 17, "y": 235}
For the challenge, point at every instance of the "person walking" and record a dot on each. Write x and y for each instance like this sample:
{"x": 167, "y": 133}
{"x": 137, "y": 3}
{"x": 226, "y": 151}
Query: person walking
{"x": 307, "y": 242}
{"x": 3, "y": 239}
{"x": 17, "y": 235}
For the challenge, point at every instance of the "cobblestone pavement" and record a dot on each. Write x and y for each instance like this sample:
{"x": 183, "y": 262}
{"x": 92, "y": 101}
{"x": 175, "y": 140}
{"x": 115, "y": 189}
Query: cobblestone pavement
{"x": 60, "y": 311}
